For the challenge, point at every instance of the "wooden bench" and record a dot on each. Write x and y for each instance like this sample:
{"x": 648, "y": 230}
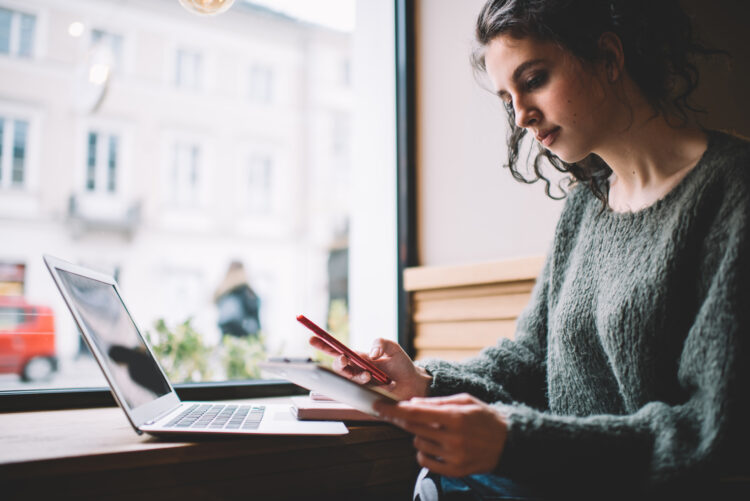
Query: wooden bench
{"x": 458, "y": 310}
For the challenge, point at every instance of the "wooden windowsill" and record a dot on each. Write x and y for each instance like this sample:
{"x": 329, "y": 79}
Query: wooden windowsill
{"x": 96, "y": 454}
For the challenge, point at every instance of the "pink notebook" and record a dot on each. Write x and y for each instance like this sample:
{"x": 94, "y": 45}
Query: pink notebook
{"x": 307, "y": 409}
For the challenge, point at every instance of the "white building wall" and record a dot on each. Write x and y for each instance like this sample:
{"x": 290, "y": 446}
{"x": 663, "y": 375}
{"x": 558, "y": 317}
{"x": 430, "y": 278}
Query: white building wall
{"x": 175, "y": 257}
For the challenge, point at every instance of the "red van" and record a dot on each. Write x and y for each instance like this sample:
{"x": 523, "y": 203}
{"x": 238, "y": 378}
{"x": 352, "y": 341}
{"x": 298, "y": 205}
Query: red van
{"x": 27, "y": 339}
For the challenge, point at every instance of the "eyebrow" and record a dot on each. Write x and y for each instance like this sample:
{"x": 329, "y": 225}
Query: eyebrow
{"x": 521, "y": 68}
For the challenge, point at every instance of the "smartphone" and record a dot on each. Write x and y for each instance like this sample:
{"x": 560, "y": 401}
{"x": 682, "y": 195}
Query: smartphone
{"x": 341, "y": 348}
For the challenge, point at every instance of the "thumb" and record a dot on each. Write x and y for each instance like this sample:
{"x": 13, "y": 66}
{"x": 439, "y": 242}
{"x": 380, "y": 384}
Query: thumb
{"x": 378, "y": 348}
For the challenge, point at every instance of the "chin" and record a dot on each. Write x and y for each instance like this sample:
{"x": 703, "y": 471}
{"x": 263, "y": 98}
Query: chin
{"x": 567, "y": 156}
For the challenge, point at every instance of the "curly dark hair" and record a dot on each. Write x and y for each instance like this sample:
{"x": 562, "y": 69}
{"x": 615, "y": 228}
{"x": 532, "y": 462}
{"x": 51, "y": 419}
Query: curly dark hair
{"x": 657, "y": 38}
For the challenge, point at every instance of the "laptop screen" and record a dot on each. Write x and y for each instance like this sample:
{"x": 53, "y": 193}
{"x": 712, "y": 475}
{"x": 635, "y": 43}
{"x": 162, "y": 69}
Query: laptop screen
{"x": 109, "y": 326}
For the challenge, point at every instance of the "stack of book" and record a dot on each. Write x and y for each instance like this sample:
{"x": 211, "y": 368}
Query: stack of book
{"x": 320, "y": 408}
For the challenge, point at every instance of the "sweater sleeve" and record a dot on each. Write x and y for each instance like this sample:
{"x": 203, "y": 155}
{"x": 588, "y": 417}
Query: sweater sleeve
{"x": 704, "y": 436}
{"x": 510, "y": 371}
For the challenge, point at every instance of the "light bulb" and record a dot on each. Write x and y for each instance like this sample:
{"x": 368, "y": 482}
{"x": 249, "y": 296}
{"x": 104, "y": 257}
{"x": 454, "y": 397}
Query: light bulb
{"x": 206, "y": 7}
{"x": 76, "y": 29}
{"x": 98, "y": 74}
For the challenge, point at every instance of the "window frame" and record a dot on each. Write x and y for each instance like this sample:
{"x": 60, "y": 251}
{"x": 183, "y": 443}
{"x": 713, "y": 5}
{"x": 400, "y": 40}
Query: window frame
{"x": 15, "y": 32}
{"x": 406, "y": 252}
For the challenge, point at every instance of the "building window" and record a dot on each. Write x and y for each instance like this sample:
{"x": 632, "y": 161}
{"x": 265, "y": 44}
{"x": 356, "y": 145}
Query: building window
{"x": 13, "y": 152}
{"x": 346, "y": 73}
{"x": 16, "y": 33}
{"x": 259, "y": 189}
{"x": 260, "y": 88}
{"x": 102, "y": 162}
{"x": 184, "y": 178}
{"x": 112, "y": 43}
{"x": 340, "y": 133}
{"x": 188, "y": 68}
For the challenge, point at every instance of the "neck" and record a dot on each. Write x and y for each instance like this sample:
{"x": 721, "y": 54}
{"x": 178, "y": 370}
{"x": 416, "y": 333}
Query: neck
{"x": 648, "y": 156}
{"x": 652, "y": 150}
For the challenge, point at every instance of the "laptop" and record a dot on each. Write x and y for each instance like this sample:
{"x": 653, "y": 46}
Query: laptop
{"x": 138, "y": 382}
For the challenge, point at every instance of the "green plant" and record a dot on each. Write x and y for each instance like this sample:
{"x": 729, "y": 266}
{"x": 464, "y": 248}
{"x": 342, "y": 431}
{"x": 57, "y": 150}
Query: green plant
{"x": 241, "y": 355}
{"x": 181, "y": 351}
{"x": 186, "y": 358}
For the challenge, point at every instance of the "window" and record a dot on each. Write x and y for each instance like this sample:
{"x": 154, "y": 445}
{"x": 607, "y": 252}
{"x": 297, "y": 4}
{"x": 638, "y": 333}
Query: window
{"x": 259, "y": 186}
{"x": 340, "y": 137}
{"x": 346, "y": 73}
{"x": 101, "y": 162}
{"x": 13, "y": 152}
{"x": 261, "y": 83}
{"x": 147, "y": 184}
{"x": 184, "y": 176}
{"x": 16, "y": 33}
{"x": 188, "y": 69}
{"x": 110, "y": 42}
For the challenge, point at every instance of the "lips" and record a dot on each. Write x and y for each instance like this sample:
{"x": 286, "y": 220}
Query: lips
{"x": 547, "y": 137}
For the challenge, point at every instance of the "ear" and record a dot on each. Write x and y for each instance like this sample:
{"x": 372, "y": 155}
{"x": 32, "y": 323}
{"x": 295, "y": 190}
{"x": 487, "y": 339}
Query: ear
{"x": 613, "y": 56}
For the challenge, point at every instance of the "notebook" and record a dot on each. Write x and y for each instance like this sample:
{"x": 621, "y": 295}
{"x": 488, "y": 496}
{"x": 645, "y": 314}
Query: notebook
{"x": 138, "y": 382}
{"x": 307, "y": 408}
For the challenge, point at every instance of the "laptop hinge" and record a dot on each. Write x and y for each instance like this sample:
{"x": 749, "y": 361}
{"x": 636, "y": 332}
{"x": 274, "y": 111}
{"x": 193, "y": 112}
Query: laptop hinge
{"x": 157, "y": 418}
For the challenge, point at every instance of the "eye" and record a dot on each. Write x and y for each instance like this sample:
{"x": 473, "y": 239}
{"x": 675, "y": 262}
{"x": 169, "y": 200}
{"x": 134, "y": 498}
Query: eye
{"x": 536, "y": 81}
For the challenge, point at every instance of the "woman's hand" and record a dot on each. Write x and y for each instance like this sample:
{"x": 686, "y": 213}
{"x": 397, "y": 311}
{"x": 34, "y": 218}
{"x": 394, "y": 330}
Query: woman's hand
{"x": 454, "y": 436}
{"x": 407, "y": 380}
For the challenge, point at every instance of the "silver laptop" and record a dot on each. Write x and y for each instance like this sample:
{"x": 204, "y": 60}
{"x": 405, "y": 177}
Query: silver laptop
{"x": 137, "y": 380}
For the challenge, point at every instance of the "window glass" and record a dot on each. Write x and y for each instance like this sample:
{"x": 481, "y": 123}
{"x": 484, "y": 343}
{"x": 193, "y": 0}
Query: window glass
{"x": 188, "y": 69}
{"x": 91, "y": 162}
{"x": 221, "y": 220}
{"x": 6, "y": 17}
{"x": 16, "y": 33}
{"x": 26, "y": 35}
{"x": 259, "y": 187}
{"x": 13, "y": 152}
{"x": 261, "y": 83}
{"x": 184, "y": 182}
{"x": 19, "y": 152}
{"x": 111, "y": 43}
{"x": 112, "y": 164}
{"x": 102, "y": 151}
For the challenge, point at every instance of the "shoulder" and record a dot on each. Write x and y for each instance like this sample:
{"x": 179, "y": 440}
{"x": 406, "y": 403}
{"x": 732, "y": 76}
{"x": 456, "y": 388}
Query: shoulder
{"x": 725, "y": 180}
{"x": 728, "y": 159}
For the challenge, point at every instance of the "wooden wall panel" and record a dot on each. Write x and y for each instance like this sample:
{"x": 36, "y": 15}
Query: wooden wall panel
{"x": 459, "y": 310}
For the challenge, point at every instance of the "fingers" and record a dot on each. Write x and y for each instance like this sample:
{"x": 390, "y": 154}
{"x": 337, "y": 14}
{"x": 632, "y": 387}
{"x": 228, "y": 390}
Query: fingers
{"x": 461, "y": 398}
{"x": 382, "y": 347}
{"x": 428, "y": 447}
{"x": 342, "y": 365}
{"x": 438, "y": 465}
{"x": 407, "y": 411}
{"x": 318, "y": 344}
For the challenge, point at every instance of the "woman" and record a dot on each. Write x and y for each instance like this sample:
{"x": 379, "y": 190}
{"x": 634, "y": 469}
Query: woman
{"x": 629, "y": 368}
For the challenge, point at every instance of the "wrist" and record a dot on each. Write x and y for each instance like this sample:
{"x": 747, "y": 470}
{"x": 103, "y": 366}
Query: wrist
{"x": 425, "y": 380}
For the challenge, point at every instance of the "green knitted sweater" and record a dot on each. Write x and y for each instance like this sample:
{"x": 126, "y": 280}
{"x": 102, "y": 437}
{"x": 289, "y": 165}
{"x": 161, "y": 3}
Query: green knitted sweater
{"x": 629, "y": 366}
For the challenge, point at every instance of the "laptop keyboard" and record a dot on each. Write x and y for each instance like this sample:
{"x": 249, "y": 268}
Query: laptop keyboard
{"x": 219, "y": 417}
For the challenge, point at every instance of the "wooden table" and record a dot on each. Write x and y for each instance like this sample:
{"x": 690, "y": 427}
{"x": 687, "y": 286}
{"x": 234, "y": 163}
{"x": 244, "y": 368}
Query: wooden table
{"x": 96, "y": 454}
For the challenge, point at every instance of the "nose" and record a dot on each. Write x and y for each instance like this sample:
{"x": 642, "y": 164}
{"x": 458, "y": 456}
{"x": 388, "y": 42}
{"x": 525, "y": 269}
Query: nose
{"x": 526, "y": 114}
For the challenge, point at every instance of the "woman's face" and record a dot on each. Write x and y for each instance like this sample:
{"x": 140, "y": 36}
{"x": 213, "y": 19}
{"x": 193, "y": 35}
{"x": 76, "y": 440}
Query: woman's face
{"x": 561, "y": 102}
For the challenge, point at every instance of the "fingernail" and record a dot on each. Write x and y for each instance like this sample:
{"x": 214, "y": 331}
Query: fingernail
{"x": 375, "y": 352}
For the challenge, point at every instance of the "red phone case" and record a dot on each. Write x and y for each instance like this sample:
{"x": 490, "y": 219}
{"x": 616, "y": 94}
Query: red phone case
{"x": 340, "y": 347}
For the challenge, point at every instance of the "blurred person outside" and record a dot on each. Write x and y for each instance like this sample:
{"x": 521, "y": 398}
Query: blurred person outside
{"x": 237, "y": 303}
